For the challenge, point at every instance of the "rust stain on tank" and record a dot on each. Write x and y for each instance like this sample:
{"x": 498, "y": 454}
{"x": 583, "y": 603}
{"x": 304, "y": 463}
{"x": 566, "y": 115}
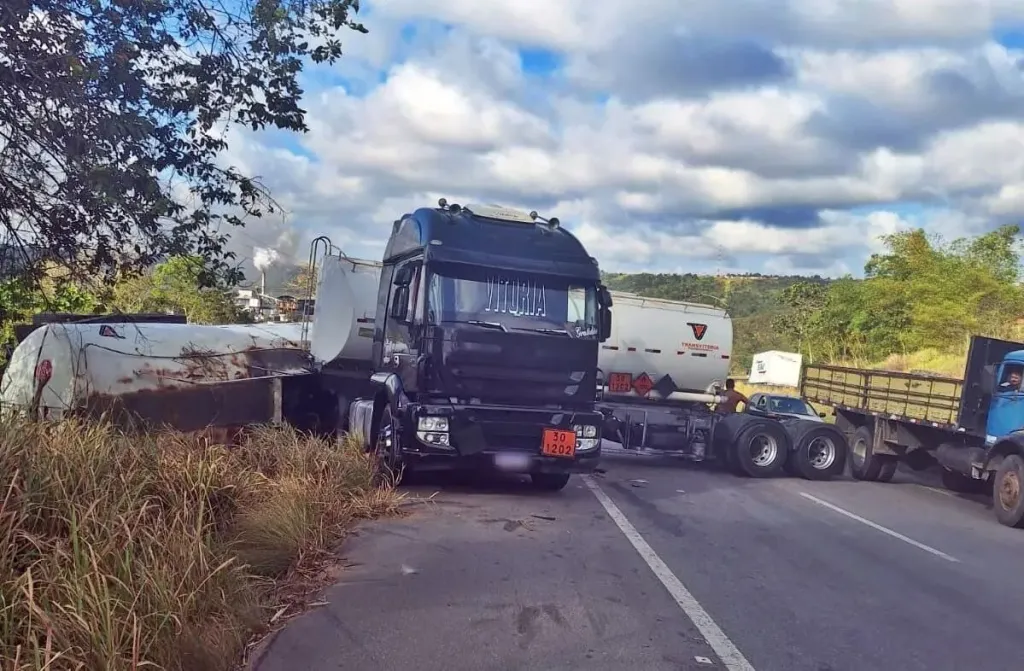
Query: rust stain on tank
{"x": 206, "y": 364}
{"x": 194, "y": 407}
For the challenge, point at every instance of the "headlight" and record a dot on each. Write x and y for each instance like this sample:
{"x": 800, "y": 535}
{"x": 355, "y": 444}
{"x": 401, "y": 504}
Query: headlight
{"x": 433, "y": 438}
{"x": 585, "y": 431}
{"x": 432, "y": 424}
{"x": 586, "y": 444}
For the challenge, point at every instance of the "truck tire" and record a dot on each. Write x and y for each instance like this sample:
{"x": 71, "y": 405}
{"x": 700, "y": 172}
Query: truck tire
{"x": 1008, "y": 492}
{"x": 549, "y": 482}
{"x": 819, "y": 450}
{"x": 864, "y": 463}
{"x": 761, "y": 448}
{"x": 387, "y": 452}
{"x": 723, "y": 440}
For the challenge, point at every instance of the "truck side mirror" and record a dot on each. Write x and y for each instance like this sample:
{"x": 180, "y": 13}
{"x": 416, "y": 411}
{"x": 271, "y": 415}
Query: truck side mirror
{"x": 605, "y": 315}
{"x": 403, "y": 278}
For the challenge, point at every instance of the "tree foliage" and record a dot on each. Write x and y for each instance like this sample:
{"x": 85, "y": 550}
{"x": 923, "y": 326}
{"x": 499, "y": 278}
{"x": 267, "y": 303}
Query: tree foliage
{"x": 174, "y": 286}
{"x": 923, "y": 293}
{"x": 170, "y": 287}
{"x": 113, "y": 119}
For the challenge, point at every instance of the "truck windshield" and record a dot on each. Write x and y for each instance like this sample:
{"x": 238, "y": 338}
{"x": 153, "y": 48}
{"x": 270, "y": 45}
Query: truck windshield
{"x": 541, "y": 303}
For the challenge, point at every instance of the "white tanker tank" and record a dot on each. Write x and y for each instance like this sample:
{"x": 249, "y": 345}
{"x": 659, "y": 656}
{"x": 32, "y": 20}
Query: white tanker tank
{"x": 346, "y": 309}
{"x": 61, "y": 367}
{"x": 689, "y": 342}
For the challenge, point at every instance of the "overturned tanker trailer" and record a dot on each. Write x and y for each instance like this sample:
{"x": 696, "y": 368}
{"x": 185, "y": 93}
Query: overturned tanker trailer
{"x": 149, "y": 375}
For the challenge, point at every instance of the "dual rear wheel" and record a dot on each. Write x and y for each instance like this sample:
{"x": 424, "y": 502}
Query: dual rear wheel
{"x": 865, "y": 463}
{"x": 759, "y": 447}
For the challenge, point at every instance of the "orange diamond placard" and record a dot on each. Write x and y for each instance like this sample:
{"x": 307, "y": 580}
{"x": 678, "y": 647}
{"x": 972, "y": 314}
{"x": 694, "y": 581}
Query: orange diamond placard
{"x": 643, "y": 384}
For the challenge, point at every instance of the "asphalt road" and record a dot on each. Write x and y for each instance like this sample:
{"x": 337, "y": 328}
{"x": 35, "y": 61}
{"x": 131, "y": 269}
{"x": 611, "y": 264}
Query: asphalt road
{"x": 658, "y": 564}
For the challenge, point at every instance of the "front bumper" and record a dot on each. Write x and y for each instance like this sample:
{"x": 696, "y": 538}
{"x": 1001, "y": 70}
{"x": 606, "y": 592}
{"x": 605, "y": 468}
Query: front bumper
{"x": 500, "y": 438}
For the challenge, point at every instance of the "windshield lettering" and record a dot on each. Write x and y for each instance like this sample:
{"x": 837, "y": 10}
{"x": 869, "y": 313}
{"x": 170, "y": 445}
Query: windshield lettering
{"x": 516, "y": 297}
{"x": 521, "y": 302}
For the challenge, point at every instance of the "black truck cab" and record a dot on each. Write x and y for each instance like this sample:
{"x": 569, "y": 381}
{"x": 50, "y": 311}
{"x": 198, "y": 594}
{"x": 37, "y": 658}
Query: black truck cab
{"x": 487, "y": 330}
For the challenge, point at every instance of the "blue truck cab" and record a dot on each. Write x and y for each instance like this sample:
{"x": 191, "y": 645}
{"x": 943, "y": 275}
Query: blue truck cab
{"x": 1006, "y": 409}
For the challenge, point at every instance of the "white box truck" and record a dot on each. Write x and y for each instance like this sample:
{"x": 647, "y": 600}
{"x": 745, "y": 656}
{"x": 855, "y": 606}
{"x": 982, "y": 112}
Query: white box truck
{"x": 777, "y": 369}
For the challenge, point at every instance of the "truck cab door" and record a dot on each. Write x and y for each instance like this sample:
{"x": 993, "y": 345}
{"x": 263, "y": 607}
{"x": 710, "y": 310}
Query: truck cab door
{"x": 1006, "y": 411}
{"x": 404, "y": 323}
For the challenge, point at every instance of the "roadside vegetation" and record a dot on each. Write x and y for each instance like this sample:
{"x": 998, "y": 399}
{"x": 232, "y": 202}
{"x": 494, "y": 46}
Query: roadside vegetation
{"x": 163, "y": 551}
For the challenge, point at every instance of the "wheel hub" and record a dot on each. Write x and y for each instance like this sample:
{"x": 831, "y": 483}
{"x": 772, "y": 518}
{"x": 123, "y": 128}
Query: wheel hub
{"x": 1009, "y": 491}
{"x": 764, "y": 450}
{"x": 821, "y": 453}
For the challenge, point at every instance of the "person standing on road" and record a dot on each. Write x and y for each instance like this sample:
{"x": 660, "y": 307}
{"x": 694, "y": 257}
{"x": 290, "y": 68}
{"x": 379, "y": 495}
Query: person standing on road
{"x": 732, "y": 399}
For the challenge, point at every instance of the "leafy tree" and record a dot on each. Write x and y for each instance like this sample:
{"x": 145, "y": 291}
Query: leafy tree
{"x": 801, "y": 302}
{"x": 174, "y": 286}
{"x": 999, "y": 251}
{"x": 112, "y": 120}
{"x": 20, "y": 299}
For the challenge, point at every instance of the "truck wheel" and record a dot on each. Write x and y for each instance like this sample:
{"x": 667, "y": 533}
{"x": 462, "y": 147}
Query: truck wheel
{"x": 1008, "y": 492}
{"x": 387, "y": 451}
{"x": 865, "y": 464}
{"x": 888, "y": 467}
{"x": 819, "y": 452}
{"x": 549, "y": 482}
{"x": 761, "y": 449}
{"x": 723, "y": 439}
{"x": 961, "y": 484}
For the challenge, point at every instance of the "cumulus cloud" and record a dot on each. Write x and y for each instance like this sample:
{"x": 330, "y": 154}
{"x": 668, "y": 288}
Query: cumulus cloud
{"x": 745, "y": 135}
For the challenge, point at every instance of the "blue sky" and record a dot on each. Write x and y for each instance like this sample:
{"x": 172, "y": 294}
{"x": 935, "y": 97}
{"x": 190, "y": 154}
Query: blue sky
{"x": 705, "y": 136}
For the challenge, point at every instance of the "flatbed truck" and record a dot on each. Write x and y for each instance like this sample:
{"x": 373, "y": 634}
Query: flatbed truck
{"x": 970, "y": 427}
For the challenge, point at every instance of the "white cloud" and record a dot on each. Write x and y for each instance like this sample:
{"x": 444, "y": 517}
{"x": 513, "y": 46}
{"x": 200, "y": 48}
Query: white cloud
{"x": 790, "y": 136}
{"x": 580, "y": 24}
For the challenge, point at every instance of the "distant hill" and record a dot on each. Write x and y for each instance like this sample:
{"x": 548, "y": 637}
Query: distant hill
{"x": 752, "y": 300}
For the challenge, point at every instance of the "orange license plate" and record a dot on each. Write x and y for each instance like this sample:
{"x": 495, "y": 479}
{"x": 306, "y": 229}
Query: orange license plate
{"x": 558, "y": 443}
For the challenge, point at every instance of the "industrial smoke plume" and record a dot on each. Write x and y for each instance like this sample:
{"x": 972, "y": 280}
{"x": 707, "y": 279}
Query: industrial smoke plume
{"x": 263, "y": 258}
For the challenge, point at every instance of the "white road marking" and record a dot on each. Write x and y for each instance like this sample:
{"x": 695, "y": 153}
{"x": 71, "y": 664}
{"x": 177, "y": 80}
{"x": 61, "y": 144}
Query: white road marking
{"x": 879, "y": 527}
{"x": 726, "y": 650}
{"x": 937, "y": 490}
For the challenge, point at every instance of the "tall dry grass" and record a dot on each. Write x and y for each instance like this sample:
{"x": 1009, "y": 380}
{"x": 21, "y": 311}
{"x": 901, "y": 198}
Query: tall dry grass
{"x": 160, "y": 551}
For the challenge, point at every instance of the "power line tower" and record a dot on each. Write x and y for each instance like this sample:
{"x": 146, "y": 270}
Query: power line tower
{"x": 720, "y": 258}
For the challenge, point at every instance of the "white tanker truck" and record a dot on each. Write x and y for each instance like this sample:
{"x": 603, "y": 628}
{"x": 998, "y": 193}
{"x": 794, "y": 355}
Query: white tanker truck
{"x": 662, "y": 369}
{"x": 659, "y": 372}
